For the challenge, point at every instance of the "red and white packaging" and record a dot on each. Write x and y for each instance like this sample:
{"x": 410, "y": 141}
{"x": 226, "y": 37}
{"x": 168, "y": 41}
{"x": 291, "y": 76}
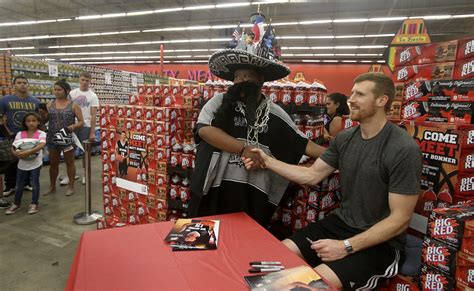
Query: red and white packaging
{"x": 465, "y": 48}
{"x": 465, "y": 185}
{"x": 465, "y": 270}
{"x": 426, "y": 54}
{"x": 464, "y": 69}
{"x": 439, "y": 255}
{"x": 402, "y": 283}
{"x": 184, "y": 193}
{"x": 452, "y": 224}
{"x": 434, "y": 71}
{"x": 174, "y": 191}
{"x": 433, "y": 279}
{"x": 467, "y": 161}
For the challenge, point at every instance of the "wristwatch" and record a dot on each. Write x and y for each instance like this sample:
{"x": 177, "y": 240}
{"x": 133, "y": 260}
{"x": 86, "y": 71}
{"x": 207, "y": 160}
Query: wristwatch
{"x": 348, "y": 246}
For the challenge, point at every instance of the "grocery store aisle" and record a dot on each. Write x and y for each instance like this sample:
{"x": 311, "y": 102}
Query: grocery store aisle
{"x": 36, "y": 251}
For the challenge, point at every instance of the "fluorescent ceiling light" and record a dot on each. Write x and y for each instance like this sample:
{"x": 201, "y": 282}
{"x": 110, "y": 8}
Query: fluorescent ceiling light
{"x": 310, "y": 61}
{"x": 463, "y": 16}
{"x": 366, "y": 61}
{"x": 368, "y": 55}
{"x": 380, "y": 61}
{"x": 380, "y": 35}
{"x": 432, "y": 17}
{"x": 388, "y": 18}
{"x": 350, "y": 36}
{"x": 136, "y": 13}
{"x": 284, "y": 23}
{"x": 238, "y": 4}
{"x": 350, "y": 20}
{"x": 168, "y": 10}
{"x": 17, "y": 48}
{"x": 372, "y": 46}
{"x": 349, "y": 61}
{"x": 345, "y": 55}
{"x": 330, "y": 61}
{"x": 320, "y": 37}
{"x": 323, "y": 55}
{"x": 306, "y": 22}
{"x": 269, "y": 2}
{"x": 199, "y": 7}
{"x": 346, "y": 47}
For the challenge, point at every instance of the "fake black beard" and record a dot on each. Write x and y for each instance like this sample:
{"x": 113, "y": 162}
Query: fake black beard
{"x": 246, "y": 92}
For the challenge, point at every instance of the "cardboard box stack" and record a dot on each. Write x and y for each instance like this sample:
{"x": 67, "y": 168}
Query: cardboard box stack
{"x": 5, "y": 75}
{"x": 437, "y": 80}
{"x": 448, "y": 249}
{"x": 302, "y": 205}
{"x": 140, "y": 147}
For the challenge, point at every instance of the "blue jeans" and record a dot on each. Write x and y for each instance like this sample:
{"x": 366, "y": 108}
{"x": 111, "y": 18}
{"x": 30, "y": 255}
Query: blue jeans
{"x": 21, "y": 180}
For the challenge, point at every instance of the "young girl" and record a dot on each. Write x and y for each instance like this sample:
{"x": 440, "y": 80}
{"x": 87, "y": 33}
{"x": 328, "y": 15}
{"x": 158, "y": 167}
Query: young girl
{"x": 28, "y": 147}
{"x": 62, "y": 115}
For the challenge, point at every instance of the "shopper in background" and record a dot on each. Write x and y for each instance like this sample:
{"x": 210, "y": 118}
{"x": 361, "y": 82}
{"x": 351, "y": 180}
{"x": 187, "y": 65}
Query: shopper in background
{"x": 229, "y": 126}
{"x": 62, "y": 124}
{"x": 13, "y": 108}
{"x": 28, "y": 147}
{"x": 89, "y": 103}
{"x": 336, "y": 107}
{"x": 380, "y": 168}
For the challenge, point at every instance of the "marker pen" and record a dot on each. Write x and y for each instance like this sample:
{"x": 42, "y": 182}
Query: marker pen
{"x": 265, "y": 263}
{"x": 262, "y": 270}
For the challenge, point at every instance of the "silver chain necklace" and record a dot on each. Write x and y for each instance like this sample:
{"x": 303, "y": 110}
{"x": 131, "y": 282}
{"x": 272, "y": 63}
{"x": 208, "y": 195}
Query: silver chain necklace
{"x": 262, "y": 115}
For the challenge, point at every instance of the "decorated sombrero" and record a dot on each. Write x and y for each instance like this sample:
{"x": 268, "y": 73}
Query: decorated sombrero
{"x": 260, "y": 55}
{"x": 224, "y": 63}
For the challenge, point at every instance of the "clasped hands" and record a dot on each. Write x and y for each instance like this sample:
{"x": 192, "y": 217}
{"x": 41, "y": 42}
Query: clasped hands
{"x": 254, "y": 158}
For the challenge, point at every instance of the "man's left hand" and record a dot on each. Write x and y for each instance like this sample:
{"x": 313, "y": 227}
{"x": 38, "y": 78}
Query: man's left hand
{"x": 329, "y": 250}
{"x": 92, "y": 137}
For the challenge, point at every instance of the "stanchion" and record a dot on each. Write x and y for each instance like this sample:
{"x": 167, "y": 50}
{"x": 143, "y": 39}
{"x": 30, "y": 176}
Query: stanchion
{"x": 88, "y": 216}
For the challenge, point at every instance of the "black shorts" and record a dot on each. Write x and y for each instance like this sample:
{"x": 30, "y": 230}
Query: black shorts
{"x": 362, "y": 269}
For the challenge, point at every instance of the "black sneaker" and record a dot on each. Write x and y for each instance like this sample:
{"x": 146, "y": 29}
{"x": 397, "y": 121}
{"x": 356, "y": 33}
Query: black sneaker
{"x": 8, "y": 191}
{"x": 4, "y": 203}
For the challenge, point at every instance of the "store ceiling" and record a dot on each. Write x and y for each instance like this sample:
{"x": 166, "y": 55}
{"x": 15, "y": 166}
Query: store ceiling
{"x": 341, "y": 29}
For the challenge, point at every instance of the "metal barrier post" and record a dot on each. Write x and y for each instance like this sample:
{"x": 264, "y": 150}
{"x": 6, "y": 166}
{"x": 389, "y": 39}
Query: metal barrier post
{"x": 88, "y": 216}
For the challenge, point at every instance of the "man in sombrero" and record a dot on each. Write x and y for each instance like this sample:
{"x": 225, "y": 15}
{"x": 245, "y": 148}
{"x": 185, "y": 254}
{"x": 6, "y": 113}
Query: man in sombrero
{"x": 230, "y": 125}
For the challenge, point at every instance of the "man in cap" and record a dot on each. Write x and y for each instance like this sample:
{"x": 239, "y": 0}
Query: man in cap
{"x": 230, "y": 125}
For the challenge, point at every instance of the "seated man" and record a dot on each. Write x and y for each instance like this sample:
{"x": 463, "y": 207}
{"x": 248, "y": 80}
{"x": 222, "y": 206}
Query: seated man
{"x": 380, "y": 167}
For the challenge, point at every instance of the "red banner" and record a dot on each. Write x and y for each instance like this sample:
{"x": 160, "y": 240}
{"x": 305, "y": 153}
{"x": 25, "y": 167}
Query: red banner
{"x": 336, "y": 77}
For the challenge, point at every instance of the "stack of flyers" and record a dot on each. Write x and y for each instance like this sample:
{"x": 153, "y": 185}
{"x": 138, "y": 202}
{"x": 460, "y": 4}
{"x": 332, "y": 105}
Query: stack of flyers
{"x": 194, "y": 234}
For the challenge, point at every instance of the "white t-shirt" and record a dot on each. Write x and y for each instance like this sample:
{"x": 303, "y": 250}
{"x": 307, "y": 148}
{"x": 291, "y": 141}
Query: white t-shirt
{"x": 86, "y": 100}
{"x": 28, "y": 165}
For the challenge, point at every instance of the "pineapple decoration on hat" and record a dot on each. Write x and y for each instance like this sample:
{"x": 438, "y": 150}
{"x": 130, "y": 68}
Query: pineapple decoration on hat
{"x": 256, "y": 49}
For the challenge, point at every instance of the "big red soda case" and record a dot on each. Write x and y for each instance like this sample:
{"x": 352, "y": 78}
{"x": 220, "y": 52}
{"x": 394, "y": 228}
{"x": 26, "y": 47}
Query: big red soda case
{"x": 447, "y": 249}
{"x": 438, "y": 81}
{"x": 151, "y": 132}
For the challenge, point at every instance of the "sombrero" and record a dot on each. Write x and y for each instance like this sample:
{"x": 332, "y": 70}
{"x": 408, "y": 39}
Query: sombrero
{"x": 224, "y": 63}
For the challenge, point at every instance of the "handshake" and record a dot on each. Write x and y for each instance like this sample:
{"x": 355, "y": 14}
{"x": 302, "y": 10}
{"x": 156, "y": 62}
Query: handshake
{"x": 254, "y": 158}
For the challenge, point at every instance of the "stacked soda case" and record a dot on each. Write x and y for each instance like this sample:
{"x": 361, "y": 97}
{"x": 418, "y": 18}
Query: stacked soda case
{"x": 435, "y": 83}
{"x": 448, "y": 249}
{"x": 282, "y": 93}
{"x": 140, "y": 147}
{"x": 448, "y": 163}
{"x": 302, "y": 205}
{"x": 303, "y": 101}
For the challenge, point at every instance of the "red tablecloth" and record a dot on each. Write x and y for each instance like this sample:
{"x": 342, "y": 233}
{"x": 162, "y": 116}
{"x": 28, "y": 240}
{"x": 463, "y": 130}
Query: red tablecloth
{"x": 137, "y": 258}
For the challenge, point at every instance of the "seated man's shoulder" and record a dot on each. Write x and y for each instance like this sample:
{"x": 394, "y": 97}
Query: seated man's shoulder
{"x": 401, "y": 138}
